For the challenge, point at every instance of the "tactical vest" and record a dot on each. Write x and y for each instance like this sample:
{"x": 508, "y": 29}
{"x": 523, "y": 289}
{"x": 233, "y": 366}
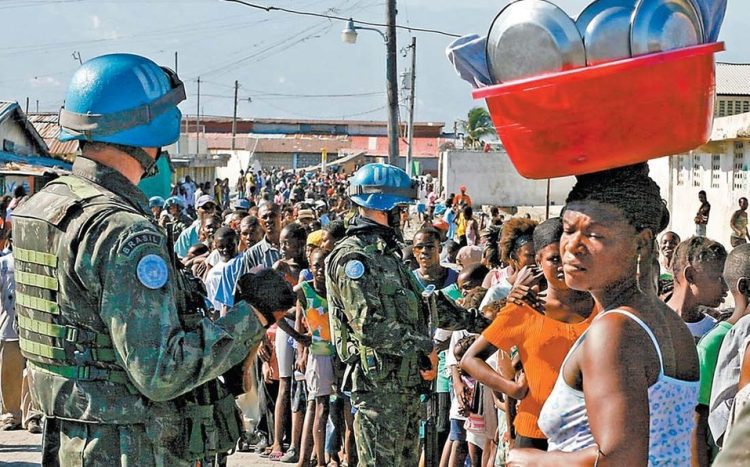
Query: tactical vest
{"x": 74, "y": 344}
{"x": 66, "y": 342}
{"x": 366, "y": 367}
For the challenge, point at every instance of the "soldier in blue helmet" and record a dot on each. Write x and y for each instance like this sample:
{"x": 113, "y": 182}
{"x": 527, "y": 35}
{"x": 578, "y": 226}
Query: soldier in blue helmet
{"x": 380, "y": 325}
{"x": 122, "y": 361}
{"x": 156, "y": 204}
{"x": 176, "y": 220}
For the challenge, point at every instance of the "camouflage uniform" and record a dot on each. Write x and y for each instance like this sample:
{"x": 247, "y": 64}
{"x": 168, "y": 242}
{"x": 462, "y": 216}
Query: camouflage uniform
{"x": 120, "y": 364}
{"x": 176, "y": 224}
{"x": 380, "y": 327}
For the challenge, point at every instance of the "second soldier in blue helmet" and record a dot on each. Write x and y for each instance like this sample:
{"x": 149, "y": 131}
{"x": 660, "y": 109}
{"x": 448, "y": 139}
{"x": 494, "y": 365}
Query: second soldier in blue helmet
{"x": 120, "y": 359}
{"x": 380, "y": 325}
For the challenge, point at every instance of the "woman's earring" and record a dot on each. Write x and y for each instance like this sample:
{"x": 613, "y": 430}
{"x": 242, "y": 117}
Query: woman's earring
{"x": 638, "y": 268}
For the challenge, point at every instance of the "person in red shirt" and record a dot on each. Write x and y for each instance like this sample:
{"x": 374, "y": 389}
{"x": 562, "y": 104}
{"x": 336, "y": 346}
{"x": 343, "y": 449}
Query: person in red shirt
{"x": 462, "y": 197}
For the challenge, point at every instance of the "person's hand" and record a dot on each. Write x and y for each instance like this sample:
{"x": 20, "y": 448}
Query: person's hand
{"x": 459, "y": 389}
{"x": 526, "y": 288}
{"x": 267, "y": 371}
{"x": 523, "y": 457}
{"x": 304, "y": 339}
{"x": 264, "y": 351}
{"x": 431, "y": 374}
{"x": 200, "y": 268}
{"x": 522, "y": 383}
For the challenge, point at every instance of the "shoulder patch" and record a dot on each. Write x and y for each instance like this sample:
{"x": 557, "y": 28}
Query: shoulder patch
{"x": 152, "y": 271}
{"x": 139, "y": 239}
{"x": 354, "y": 269}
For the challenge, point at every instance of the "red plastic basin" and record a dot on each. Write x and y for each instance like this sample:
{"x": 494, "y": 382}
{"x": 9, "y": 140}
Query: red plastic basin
{"x": 605, "y": 116}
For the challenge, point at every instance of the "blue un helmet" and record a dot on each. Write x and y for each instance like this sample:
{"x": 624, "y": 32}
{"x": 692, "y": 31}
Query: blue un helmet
{"x": 381, "y": 187}
{"x": 174, "y": 200}
{"x": 123, "y": 100}
{"x": 155, "y": 202}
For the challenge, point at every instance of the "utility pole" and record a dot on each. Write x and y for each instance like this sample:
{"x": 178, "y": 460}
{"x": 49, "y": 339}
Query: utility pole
{"x": 37, "y": 106}
{"x": 175, "y": 62}
{"x": 27, "y": 106}
{"x": 198, "y": 120}
{"x": 412, "y": 79}
{"x": 234, "y": 117}
{"x": 392, "y": 80}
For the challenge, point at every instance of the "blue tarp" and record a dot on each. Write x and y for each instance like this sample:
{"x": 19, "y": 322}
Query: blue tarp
{"x": 34, "y": 160}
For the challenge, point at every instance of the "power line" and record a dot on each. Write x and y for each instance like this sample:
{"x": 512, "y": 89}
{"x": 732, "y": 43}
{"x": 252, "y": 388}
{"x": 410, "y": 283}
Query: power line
{"x": 264, "y": 95}
{"x": 340, "y": 18}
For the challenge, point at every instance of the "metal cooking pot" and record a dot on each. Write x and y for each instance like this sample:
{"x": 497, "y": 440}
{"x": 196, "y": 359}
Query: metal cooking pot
{"x": 661, "y": 25}
{"x": 605, "y": 27}
{"x": 531, "y": 38}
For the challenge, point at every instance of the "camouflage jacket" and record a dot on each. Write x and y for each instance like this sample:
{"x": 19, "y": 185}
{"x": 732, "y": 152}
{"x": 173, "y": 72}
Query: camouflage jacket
{"x": 94, "y": 265}
{"x": 379, "y": 323}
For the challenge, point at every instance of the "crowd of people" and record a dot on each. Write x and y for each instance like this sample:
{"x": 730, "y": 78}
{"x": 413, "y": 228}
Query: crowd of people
{"x": 515, "y": 391}
{"x": 576, "y": 349}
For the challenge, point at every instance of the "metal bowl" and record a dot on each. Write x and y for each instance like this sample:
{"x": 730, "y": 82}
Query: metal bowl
{"x": 531, "y": 38}
{"x": 660, "y": 25}
{"x": 605, "y": 27}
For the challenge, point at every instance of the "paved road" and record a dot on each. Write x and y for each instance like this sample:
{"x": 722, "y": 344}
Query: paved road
{"x": 21, "y": 448}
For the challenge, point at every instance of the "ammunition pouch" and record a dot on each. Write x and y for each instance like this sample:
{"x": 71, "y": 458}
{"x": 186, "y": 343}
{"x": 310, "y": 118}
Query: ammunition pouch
{"x": 378, "y": 368}
{"x": 192, "y": 430}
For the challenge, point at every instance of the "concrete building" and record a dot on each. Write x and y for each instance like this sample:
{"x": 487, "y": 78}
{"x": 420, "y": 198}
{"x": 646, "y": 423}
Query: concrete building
{"x": 719, "y": 167}
{"x": 269, "y": 142}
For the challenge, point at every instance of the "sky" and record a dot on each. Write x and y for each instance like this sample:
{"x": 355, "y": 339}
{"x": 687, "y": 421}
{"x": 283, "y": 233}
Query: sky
{"x": 288, "y": 66}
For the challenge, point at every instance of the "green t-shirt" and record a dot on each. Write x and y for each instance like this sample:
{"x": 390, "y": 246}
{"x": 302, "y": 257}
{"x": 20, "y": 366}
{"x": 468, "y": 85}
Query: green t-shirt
{"x": 708, "y": 354}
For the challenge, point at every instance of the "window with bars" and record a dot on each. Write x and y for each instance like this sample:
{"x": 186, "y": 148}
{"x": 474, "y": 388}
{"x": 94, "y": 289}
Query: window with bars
{"x": 697, "y": 170}
{"x": 722, "y": 108}
{"x": 715, "y": 170}
{"x": 681, "y": 170}
{"x": 739, "y": 175}
{"x": 746, "y": 107}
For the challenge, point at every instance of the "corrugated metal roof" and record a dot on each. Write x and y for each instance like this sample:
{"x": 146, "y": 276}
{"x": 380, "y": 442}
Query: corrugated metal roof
{"x": 47, "y": 126}
{"x": 733, "y": 79}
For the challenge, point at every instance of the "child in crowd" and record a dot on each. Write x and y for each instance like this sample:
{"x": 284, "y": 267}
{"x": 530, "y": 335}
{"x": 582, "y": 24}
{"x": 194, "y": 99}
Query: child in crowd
{"x": 317, "y": 358}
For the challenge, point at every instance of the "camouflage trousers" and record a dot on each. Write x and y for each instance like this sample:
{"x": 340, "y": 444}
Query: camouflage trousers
{"x": 386, "y": 428}
{"x": 75, "y": 444}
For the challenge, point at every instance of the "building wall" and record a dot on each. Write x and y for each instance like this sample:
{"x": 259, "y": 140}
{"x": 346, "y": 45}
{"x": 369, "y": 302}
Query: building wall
{"x": 724, "y": 177}
{"x": 14, "y": 139}
{"x": 731, "y": 105}
{"x": 491, "y": 179}
{"x": 198, "y": 174}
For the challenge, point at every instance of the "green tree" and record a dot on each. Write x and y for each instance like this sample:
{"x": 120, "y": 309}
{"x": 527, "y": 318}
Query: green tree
{"x": 477, "y": 125}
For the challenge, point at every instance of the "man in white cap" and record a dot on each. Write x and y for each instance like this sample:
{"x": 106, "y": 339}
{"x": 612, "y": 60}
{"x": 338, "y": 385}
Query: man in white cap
{"x": 189, "y": 237}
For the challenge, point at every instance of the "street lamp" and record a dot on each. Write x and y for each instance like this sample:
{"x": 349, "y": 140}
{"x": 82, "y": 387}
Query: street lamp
{"x": 349, "y": 36}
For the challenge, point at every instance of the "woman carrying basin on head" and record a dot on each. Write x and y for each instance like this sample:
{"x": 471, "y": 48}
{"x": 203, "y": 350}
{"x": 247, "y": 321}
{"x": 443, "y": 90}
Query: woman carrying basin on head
{"x": 628, "y": 387}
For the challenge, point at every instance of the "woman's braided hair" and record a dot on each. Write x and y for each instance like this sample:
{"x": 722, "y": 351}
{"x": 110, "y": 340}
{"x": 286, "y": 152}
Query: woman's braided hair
{"x": 628, "y": 188}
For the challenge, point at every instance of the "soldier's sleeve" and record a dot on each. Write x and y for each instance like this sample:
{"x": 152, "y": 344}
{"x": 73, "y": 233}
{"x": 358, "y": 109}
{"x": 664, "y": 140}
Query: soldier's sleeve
{"x": 362, "y": 302}
{"x": 453, "y": 317}
{"x": 128, "y": 259}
